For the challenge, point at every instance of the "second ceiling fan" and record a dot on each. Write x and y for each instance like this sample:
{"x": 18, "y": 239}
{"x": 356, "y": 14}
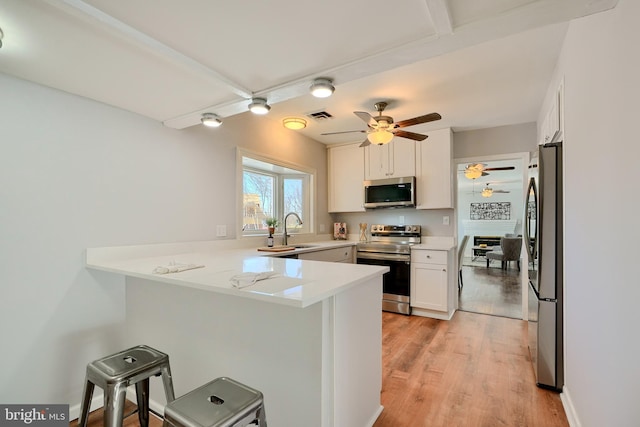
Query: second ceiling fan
{"x": 382, "y": 129}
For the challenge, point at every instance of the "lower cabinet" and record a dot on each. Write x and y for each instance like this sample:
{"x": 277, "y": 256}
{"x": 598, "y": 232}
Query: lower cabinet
{"x": 433, "y": 286}
{"x": 344, "y": 254}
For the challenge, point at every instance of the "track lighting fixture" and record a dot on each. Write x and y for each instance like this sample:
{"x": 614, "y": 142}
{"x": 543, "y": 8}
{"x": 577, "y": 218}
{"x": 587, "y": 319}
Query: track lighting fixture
{"x": 211, "y": 120}
{"x": 322, "y": 88}
{"x": 259, "y": 106}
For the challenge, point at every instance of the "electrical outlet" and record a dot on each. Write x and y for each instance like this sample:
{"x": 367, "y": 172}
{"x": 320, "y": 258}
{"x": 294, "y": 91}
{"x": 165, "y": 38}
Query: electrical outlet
{"x": 445, "y": 220}
{"x": 322, "y": 228}
{"x": 221, "y": 230}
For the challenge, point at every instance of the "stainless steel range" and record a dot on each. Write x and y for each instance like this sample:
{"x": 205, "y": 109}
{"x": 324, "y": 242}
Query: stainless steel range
{"x": 390, "y": 245}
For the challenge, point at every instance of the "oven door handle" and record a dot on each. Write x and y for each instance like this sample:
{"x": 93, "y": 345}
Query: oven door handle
{"x": 383, "y": 256}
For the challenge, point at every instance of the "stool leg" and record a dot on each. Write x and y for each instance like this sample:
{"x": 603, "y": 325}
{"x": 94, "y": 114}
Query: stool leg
{"x": 262, "y": 418}
{"x": 142, "y": 397}
{"x": 167, "y": 381}
{"x": 87, "y": 394}
{"x": 114, "y": 397}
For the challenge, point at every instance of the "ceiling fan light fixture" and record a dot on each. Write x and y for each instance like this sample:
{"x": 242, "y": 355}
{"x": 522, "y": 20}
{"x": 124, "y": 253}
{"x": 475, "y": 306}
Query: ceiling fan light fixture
{"x": 487, "y": 191}
{"x": 380, "y": 137}
{"x": 259, "y": 106}
{"x": 211, "y": 120}
{"x": 322, "y": 88}
{"x": 472, "y": 173}
{"x": 294, "y": 123}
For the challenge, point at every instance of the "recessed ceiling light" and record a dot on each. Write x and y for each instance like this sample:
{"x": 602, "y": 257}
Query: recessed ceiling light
{"x": 259, "y": 106}
{"x": 322, "y": 88}
{"x": 294, "y": 123}
{"x": 211, "y": 120}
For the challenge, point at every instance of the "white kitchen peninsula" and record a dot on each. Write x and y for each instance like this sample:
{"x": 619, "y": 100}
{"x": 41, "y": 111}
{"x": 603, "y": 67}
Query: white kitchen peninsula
{"x": 310, "y": 339}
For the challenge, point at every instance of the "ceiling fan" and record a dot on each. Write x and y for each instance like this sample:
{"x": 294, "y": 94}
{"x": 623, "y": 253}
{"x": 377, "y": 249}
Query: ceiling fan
{"x": 382, "y": 129}
{"x": 476, "y": 170}
{"x": 488, "y": 191}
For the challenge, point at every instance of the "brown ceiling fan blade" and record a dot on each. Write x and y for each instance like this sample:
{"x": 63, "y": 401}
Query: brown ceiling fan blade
{"x": 366, "y": 117}
{"x": 410, "y": 135}
{"x": 365, "y": 143}
{"x": 504, "y": 168}
{"x": 417, "y": 120}
{"x": 346, "y": 131}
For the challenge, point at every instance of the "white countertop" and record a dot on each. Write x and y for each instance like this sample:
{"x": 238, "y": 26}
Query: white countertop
{"x": 298, "y": 283}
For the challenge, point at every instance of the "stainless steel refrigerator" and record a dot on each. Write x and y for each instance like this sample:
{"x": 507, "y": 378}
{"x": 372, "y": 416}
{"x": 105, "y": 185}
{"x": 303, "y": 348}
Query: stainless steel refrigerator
{"x": 544, "y": 228}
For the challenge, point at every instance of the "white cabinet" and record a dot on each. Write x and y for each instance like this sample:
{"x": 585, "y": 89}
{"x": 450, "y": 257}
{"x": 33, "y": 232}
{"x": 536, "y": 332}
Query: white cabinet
{"x": 344, "y": 255}
{"x": 434, "y": 181}
{"x": 432, "y": 282}
{"x": 346, "y": 173}
{"x": 392, "y": 160}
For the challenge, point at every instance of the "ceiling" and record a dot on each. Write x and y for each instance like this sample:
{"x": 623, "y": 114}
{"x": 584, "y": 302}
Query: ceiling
{"x": 477, "y": 63}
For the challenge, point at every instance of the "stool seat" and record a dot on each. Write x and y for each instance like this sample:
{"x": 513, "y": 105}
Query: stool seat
{"x": 115, "y": 373}
{"x": 222, "y": 402}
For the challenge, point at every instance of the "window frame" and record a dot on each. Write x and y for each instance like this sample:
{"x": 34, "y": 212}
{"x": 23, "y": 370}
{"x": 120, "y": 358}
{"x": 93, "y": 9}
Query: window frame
{"x": 307, "y": 174}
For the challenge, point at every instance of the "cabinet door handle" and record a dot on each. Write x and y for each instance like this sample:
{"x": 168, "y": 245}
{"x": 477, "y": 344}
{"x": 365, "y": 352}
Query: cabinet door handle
{"x": 444, "y": 269}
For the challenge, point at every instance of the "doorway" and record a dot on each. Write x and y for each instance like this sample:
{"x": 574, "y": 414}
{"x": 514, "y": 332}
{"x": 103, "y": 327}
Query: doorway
{"x": 485, "y": 218}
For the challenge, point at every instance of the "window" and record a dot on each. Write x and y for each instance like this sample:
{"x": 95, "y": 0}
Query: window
{"x": 273, "y": 189}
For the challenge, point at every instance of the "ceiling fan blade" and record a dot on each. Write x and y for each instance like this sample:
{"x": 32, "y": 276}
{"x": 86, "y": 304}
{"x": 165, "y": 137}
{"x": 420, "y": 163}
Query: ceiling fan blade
{"x": 410, "y": 135}
{"x": 501, "y": 191}
{"x": 346, "y": 131}
{"x": 504, "y": 168}
{"x": 417, "y": 120}
{"x": 366, "y": 117}
{"x": 365, "y": 143}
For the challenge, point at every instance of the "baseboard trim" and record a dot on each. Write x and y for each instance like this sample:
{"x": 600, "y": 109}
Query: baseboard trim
{"x": 569, "y": 409}
{"x": 375, "y": 416}
{"x": 96, "y": 402}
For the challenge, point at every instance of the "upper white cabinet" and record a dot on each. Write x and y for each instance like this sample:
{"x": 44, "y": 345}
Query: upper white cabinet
{"x": 434, "y": 159}
{"x": 395, "y": 159}
{"x": 346, "y": 173}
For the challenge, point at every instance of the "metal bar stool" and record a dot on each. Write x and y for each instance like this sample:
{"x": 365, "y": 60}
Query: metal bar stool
{"x": 115, "y": 373}
{"x": 221, "y": 403}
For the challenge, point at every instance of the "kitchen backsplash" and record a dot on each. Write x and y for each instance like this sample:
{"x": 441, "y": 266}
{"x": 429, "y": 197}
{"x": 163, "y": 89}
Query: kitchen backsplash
{"x": 430, "y": 220}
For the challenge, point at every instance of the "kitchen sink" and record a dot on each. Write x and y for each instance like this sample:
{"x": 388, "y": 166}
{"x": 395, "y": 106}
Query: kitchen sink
{"x": 303, "y": 246}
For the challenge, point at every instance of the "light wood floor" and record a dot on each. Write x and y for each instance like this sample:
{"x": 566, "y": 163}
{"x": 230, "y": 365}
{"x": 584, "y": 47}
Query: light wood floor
{"x": 491, "y": 290}
{"x": 473, "y": 370}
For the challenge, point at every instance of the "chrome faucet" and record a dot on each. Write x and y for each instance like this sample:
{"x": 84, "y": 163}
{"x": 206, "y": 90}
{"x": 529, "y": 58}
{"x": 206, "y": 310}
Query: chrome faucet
{"x": 285, "y": 235}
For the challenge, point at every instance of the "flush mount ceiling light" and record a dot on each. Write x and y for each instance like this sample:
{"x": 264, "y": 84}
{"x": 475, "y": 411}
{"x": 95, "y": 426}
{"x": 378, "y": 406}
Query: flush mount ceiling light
{"x": 259, "y": 106}
{"x": 322, "y": 88}
{"x": 211, "y": 120}
{"x": 294, "y": 123}
{"x": 380, "y": 137}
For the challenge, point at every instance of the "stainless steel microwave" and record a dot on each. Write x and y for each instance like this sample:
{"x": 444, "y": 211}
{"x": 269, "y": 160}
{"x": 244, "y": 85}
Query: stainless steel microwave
{"x": 390, "y": 192}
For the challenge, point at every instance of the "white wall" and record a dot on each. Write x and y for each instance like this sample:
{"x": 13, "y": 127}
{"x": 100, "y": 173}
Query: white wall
{"x": 600, "y": 62}
{"x": 75, "y": 174}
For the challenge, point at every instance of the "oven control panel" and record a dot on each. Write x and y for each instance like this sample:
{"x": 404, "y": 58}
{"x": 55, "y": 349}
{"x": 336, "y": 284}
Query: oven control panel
{"x": 395, "y": 229}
